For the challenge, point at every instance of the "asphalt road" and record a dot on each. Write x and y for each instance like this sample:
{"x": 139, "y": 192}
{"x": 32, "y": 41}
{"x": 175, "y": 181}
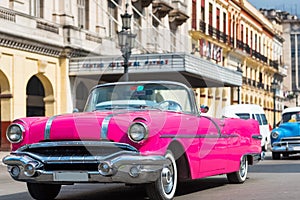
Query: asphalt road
{"x": 268, "y": 180}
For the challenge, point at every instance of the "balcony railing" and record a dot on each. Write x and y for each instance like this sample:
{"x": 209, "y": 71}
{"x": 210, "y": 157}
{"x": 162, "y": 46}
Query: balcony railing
{"x": 274, "y": 63}
{"x": 202, "y": 26}
{"x": 235, "y": 43}
{"x": 7, "y": 14}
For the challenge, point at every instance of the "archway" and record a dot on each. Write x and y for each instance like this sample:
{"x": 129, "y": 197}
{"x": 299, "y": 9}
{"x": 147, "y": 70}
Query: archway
{"x": 5, "y": 110}
{"x": 35, "y": 92}
{"x": 81, "y": 96}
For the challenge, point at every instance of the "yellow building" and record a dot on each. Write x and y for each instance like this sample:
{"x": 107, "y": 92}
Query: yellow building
{"x": 36, "y": 43}
{"x": 237, "y": 36}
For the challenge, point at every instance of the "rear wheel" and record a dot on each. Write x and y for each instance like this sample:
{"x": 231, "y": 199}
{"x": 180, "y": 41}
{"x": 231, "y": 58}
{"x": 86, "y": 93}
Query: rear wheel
{"x": 286, "y": 155}
{"x": 165, "y": 186}
{"x": 43, "y": 191}
{"x": 265, "y": 147}
{"x": 275, "y": 156}
{"x": 241, "y": 175}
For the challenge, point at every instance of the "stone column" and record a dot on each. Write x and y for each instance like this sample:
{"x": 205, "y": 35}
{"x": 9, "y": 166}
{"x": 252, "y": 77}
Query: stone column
{"x": 62, "y": 13}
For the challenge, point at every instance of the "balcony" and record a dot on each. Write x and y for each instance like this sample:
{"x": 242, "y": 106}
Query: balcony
{"x": 282, "y": 70}
{"x": 139, "y": 4}
{"x": 37, "y": 32}
{"x": 42, "y": 36}
{"x": 179, "y": 5}
{"x": 274, "y": 64}
{"x": 229, "y": 41}
{"x": 176, "y": 17}
{"x": 202, "y": 26}
{"x": 161, "y": 8}
{"x": 260, "y": 85}
{"x": 212, "y": 31}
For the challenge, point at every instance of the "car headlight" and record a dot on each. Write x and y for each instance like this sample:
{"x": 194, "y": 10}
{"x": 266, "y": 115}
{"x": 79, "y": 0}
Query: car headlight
{"x": 14, "y": 133}
{"x": 137, "y": 131}
{"x": 274, "y": 135}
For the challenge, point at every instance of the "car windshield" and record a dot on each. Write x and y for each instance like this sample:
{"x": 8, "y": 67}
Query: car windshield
{"x": 163, "y": 96}
{"x": 291, "y": 117}
{"x": 243, "y": 115}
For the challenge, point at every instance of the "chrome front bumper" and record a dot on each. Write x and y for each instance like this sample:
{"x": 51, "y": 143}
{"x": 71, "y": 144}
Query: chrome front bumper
{"x": 124, "y": 166}
{"x": 286, "y": 146}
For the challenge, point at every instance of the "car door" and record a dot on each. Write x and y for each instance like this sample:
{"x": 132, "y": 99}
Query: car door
{"x": 212, "y": 147}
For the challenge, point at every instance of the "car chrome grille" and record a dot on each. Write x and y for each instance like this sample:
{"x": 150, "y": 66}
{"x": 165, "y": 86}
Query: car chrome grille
{"x": 290, "y": 139}
{"x": 78, "y": 151}
{"x": 74, "y": 155}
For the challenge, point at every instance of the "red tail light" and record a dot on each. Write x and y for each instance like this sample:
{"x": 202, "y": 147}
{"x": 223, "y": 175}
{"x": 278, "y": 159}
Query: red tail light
{"x": 270, "y": 127}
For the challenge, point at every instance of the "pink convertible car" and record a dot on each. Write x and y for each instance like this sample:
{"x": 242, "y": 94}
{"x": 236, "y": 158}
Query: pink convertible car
{"x": 147, "y": 132}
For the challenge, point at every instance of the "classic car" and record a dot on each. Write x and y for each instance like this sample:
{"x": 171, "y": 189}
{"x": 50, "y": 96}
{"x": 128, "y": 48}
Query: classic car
{"x": 148, "y": 132}
{"x": 285, "y": 139}
{"x": 251, "y": 111}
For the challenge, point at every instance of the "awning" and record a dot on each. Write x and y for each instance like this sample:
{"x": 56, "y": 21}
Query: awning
{"x": 181, "y": 67}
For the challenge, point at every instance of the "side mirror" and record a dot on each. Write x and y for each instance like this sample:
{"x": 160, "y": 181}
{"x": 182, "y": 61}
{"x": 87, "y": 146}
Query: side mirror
{"x": 75, "y": 110}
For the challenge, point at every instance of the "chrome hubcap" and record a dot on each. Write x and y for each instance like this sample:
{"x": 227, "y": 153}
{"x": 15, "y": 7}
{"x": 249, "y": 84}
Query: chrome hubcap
{"x": 167, "y": 179}
{"x": 243, "y": 167}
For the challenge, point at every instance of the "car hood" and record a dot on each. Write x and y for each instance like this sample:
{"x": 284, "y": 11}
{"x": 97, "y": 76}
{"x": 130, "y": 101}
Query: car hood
{"x": 289, "y": 129}
{"x": 94, "y": 125}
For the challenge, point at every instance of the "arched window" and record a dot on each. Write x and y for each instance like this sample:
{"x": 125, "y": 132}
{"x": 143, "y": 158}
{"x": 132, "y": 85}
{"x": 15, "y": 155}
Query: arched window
{"x": 35, "y": 105}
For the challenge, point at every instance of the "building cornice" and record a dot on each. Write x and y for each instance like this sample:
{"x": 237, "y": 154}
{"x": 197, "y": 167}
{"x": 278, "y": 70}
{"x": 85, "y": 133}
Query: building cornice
{"x": 25, "y": 44}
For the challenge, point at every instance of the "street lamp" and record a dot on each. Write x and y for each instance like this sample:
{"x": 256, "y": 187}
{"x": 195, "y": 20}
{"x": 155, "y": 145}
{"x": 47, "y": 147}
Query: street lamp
{"x": 126, "y": 40}
{"x": 274, "y": 86}
{"x": 239, "y": 69}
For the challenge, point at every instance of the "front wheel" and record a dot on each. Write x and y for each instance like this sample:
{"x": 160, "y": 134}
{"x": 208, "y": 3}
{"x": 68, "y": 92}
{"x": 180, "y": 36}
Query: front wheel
{"x": 165, "y": 186}
{"x": 275, "y": 156}
{"x": 241, "y": 175}
{"x": 43, "y": 191}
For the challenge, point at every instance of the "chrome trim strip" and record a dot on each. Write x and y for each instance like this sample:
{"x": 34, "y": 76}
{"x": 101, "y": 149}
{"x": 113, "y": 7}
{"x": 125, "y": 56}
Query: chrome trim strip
{"x": 283, "y": 143}
{"x": 187, "y": 136}
{"x": 290, "y": 138}
{"x": 48, "y": 127}
{"x": 104, "y": 126}
{"x": 257, "y": 137}
{"x": 105, "y": 122}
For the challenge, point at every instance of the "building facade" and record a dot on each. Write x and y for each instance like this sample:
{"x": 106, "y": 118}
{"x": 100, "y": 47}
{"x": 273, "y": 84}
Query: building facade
{"x": 291, "y": 34}
{"x": 44, "y": 42}
{"x": 291, "y": 53}
{"x": 236, "y": 35}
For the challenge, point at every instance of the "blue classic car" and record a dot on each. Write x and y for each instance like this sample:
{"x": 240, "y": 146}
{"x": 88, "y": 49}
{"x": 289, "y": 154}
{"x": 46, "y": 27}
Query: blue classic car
{"x": 285, "y": 139}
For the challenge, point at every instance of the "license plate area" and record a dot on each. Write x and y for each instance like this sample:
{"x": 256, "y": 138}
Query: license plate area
{"x": 71, "y": 176}
{"x": 296, "y": 148}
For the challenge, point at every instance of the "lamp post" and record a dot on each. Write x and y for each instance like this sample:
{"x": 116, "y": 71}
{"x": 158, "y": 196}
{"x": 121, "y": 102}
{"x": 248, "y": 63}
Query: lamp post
{"x": 126, "y": 40}
{"x": 274, "y": 86}
{"x": 239, "y": 69}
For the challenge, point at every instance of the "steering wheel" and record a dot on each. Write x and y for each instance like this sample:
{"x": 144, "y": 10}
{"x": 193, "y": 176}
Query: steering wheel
{"x": 170, "y": 105}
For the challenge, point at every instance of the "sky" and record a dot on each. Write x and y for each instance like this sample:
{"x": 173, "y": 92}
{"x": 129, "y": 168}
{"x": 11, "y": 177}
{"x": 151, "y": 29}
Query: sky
{"x": 291, "y": 6}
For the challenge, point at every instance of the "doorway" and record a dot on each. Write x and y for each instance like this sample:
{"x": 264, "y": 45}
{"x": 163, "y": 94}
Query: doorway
{"x": 35, "y": 105}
